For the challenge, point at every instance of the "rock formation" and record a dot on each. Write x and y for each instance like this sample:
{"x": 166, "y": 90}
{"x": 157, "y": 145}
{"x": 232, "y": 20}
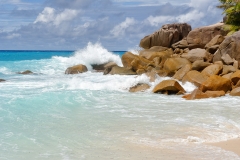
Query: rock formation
{"x": 230, "y": 46}
{"x": 200, "y": 37}
{"x": 166, "y": 36}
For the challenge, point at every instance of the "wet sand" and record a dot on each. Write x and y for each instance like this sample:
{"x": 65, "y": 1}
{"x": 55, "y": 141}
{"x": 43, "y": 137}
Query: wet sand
{"x": 230, "y": 145}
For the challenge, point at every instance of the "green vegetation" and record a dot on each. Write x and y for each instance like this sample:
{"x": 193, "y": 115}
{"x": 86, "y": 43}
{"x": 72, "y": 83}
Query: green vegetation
{"x": 232, "y": 11}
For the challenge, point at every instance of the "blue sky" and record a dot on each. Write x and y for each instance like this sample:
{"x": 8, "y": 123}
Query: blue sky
{"x": 116, "y": 24}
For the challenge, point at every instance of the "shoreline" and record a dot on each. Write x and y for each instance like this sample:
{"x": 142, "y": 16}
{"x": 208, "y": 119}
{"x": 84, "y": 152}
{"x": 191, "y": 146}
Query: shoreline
{"x": 229, "y": 145}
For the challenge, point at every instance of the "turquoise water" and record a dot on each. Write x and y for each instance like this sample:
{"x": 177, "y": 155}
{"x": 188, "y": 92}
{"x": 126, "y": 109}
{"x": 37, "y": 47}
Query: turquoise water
{"x": 50, "y": 115}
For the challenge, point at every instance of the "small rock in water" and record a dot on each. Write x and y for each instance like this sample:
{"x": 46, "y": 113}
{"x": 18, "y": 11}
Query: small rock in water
{"x": 26, "y": 72}
{"x": 139, "y": 88}
{"x": 2, "y": 80}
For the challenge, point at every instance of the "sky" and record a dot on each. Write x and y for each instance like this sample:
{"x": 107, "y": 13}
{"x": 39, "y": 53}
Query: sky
{"x": 117, "y": 24}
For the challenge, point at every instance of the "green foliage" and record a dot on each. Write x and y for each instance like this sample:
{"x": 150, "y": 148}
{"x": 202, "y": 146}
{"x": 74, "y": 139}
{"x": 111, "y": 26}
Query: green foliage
{"x": 232, "y": 11}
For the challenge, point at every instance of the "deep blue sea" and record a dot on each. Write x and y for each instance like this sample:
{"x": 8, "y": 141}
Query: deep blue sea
{"x": 90, "y": 116}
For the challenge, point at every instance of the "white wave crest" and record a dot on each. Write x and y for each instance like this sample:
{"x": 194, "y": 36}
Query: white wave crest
{"x": 91, "y": 54}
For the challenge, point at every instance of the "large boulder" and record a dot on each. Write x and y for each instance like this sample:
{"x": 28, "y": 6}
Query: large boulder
{"x": 135, "y": 62}
{"x": 139, "y": 88}
{"x": 166, "y": 36}
{"x": 198, "y": 94}
{"x": 172, "y": 65}
{"x": 230, "y": 46}
{"x": 196, "y": 54}
{"x": 216, "y": 83}
{"x": 213, "y": 45}
{"x": 76, "y": 69}
{"x": 228, "y": 69}
{"x": 194, "y": 77}
{"x": 235, "y": 77}
{"x": 199, "y": 37}
{"x": 182, "y": 72}
{"x": 127, "y": 59}
{"x": 121, "y": 71}
{"x": 213, "y": 69}
{"x": 235, "y": 92}
{"x": 199, "y": 65}
{"x": 168, "y": 87}
{"x": 150, "y": 55}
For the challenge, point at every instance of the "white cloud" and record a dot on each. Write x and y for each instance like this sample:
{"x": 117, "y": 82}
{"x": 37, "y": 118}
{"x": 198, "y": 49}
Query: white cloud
{"x": 49, "y": 15}
{"x": 119, "y": 30}
{"x": 191, "y": 16}
{"x": 13, "y": 35}
{"x": 157, "y": 20}
{"x": 46, "y": 16}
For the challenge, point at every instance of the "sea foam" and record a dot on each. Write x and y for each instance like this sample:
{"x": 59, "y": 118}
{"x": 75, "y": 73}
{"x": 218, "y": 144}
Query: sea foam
{"x": 91, "y": 54}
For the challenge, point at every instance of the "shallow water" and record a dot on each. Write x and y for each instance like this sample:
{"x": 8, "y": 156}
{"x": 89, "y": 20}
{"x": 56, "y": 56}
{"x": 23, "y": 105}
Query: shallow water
{"x": 49, "y": 115}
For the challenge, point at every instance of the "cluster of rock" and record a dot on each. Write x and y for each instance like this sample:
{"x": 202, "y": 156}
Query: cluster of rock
{"x": 204, "y": 56}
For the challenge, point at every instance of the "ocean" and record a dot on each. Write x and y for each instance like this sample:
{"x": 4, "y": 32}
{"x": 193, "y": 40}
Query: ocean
{"x": 90, "y": 116}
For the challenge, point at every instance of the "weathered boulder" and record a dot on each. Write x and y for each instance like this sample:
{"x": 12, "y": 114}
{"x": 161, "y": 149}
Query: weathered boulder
{"x": 228, "y": 69}
{"x": 235, "y": 92}
{"x": 108, "y": 67}
{"x": 227, "y": 59}
{"x": 213, "y": 45}
{"x": 2, "y": 80}
{"x": 235, "y": 77}
{"x": 141, "y": 63}
{"x": 25, "y": 72}
{"x": 152, "y": 75}
{"x": 198, "y": 94}
{"x": 199, "y": 65}
{"x": 194, "y": 77}
{"x": 150, "y": 55}
{"x": 121, "y": 71}
{"x": 102, "y": 67}
{"x": 229, "y": 46}
{"x": 172, "y": 65}
{"x": 212, "y": 49}
{"x": 196, "y": 54}
{"x": 216, "y": 83}
{"x": 166, "y": 36}
{"x": 236, "y": 85}
{"x": 127, "y": 59}
{"x": 199, "y": 37}
{"x": 213, "y": 69}
{"x": 214, "y": 94}
{"x": 76, "y": 69}
{"x": 228, "y": 76}
{"x": 136, "y": 63}
{"x": 169, "y": 87}
{"x": 139, "y": 88}
{"x": 182, "y": 72}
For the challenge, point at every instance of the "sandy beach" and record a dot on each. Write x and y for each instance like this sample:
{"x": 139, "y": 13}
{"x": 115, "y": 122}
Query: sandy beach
{"x": 230, "y": 145}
